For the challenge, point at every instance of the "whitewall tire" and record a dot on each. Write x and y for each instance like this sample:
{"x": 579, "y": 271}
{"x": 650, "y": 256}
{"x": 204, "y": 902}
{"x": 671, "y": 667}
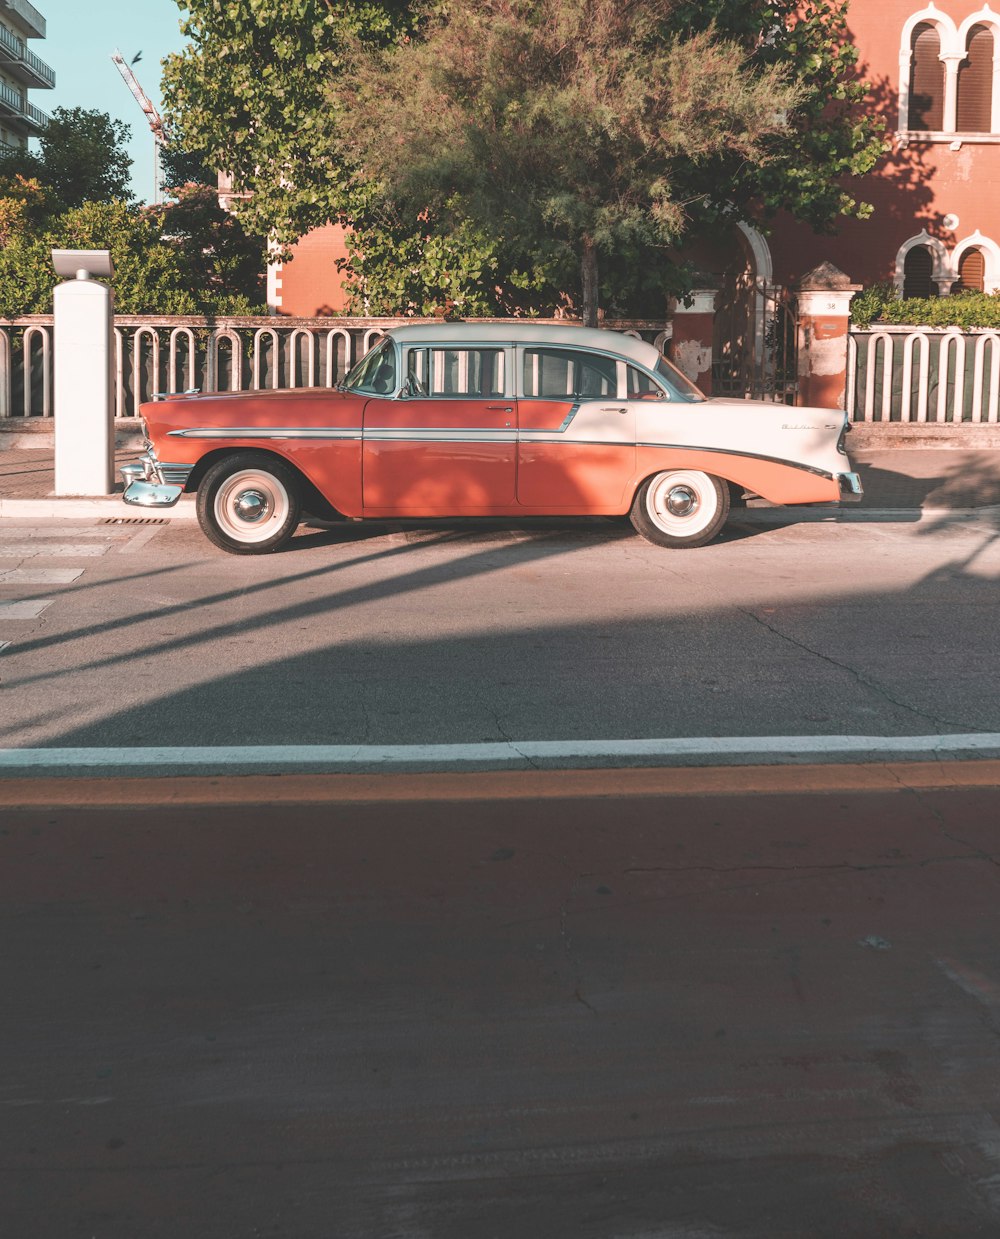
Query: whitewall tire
{"x": 249, "y": 503}
{"x": 680, "y": 508}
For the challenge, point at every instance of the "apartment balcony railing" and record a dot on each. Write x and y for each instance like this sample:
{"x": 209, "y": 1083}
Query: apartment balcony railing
{"x": 22, "y": 63}
{"x": 14, "y": 107}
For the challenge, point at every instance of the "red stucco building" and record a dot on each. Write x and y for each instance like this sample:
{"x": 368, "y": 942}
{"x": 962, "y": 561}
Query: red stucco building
{"x": 935, "y": 73}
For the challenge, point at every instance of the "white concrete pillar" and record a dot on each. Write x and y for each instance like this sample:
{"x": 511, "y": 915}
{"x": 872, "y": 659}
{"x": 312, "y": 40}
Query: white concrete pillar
{"x": 83, "y": 339}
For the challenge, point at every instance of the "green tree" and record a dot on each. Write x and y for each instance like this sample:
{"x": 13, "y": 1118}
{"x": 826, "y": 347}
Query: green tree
{"x": 82, "y": 158}
{"x": 181, "y": 167}
{"x": 252, "y": 94}
{"x": 183, "y": 258}
{"x": 831, "y": 136}
{"x": 249, "y": 95}
{"x": 557, "y": 122}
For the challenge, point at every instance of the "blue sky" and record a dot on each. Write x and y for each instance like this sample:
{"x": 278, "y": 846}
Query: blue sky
{"x": 81, "y": 37}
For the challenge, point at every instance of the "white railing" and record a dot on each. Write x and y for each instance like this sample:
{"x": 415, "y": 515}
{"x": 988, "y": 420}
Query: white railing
{"x": 923, "y": 374}
{"x": 154, "y": 355}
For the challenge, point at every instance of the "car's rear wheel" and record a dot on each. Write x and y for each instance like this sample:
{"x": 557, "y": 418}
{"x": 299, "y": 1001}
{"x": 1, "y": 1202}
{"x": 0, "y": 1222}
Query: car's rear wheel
{"x": 680, "y": 508}
{"x": 249, "y": 504}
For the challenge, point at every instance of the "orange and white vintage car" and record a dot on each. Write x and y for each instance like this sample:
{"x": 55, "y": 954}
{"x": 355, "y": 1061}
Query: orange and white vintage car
{"x": 486, "y": 419}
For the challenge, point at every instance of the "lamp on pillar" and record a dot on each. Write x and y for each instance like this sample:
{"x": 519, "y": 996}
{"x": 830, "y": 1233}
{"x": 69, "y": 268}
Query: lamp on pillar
{"x": 824, "y": 306}
{"x": 84, "y": 363}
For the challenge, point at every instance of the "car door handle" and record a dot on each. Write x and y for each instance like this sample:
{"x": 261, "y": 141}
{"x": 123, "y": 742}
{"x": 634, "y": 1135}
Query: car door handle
{"x": 501, "y": 408}
{"x": 614, "y": 410}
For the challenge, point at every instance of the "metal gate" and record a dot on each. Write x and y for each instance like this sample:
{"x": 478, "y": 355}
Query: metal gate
{"x": 754, "y": 354}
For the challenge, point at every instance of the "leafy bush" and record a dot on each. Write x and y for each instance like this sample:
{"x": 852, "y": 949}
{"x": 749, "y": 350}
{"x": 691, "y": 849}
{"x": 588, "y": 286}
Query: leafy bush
{"x": 188, "y": 257}
{"x": 871, "y": 302}
{"x": 881, "y": 303}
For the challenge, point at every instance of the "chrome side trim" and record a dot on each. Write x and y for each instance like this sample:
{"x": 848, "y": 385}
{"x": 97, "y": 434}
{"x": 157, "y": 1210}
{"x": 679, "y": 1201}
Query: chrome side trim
{"x": 148, "y": 469}
{"x": 728, "y": 451}
{"x": 569, "y": 418}
{"x": 467, "y": 434}
{"x": 266, "y": 432}
{"x": 174, "y": 474}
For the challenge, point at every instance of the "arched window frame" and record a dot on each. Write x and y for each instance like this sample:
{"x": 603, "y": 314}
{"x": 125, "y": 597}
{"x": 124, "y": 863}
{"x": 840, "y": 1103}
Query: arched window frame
{"x": 954, "y": 49}
{"x": 991, "y": 258}
{"x": 942, "y": 271}
{"x": 945, "y": 263}
{"x": 985, "y": 17}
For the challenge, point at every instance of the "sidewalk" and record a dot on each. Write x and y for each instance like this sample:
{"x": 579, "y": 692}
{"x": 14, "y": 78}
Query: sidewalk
{"x": 895, "y": 479}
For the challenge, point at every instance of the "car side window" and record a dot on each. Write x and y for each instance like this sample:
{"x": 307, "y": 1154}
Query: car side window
{"x": 463, "y": 373}
{"x": 376, "y": 372}
{"x": 558, "y": 374}
{"x": 642, "y": 387}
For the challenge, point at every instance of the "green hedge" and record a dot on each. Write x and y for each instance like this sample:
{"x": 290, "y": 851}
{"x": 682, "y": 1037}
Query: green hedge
{"x": 882, "y": 304}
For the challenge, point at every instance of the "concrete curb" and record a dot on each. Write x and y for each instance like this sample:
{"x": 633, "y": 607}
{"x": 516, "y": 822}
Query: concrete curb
{"x": 503, "y": 755}
{"x": 79, "y": 508}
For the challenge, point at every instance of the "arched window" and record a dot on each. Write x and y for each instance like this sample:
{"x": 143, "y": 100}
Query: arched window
{"x": 918, "y": 270}
{"x": 975, "y": 82}
{"x": 926, "y": 79}
{"x": 971, "y": 272}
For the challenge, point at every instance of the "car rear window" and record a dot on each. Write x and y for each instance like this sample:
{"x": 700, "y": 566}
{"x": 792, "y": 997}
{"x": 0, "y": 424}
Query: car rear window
{"x": 558, "y": 373}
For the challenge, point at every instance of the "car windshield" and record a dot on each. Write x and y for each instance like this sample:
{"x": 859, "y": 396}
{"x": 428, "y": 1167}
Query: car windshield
{"x": 678, "y": 384}
{"x": 375, "y": 372}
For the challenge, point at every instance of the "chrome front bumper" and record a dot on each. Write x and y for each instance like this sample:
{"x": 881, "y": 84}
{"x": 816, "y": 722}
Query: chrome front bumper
{"x": 150, "y": 484}
{"x": 851, "y": 490}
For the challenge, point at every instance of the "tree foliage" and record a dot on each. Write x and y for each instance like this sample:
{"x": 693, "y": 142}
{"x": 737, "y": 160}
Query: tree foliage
{"x": 831, "y": 136}
{"x": 181, "y": 167}
{"x": 477, "y": 149}
{"x": 187, "y": 257}
{"x": 249, "y": 95}
{"x": 82, "y": 158}
{"x": 554, "y": 123}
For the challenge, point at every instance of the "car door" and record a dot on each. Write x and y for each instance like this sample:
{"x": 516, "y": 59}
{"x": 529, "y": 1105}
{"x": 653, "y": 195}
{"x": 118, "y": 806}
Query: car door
{"x": 576, "y": 435}
{"x": 446, "y": 443}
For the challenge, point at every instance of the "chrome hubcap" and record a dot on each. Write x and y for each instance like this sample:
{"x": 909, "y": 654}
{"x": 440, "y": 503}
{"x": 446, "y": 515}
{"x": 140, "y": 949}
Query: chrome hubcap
{"x": 682, "y": 501}
{"x": 251, "y": 505}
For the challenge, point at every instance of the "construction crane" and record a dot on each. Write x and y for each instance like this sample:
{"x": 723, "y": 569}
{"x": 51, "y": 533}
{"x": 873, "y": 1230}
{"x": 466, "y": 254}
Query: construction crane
{"x": 156, "y": 121}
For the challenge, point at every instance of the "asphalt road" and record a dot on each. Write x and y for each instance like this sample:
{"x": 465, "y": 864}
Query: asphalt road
{"x": 743, "y": 1005}
{"x": 479, "y": 632}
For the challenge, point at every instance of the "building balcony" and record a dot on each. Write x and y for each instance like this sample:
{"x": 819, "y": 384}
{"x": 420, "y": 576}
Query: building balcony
{"x": 19, "y": 62}
{"x": 26, "y": 15}
{"x": 20, "y": 113}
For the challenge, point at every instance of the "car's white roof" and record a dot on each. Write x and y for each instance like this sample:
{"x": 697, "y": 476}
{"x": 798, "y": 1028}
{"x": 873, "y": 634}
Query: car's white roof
{"x": 528, "y": 332}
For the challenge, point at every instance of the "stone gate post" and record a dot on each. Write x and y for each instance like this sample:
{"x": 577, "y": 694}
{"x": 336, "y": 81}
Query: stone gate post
{"x": 694, "y": 331}
{"x": 824, "y": 311}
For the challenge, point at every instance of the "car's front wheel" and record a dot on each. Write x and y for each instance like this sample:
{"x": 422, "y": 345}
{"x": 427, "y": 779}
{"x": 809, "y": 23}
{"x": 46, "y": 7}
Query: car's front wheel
{"x": 249, "y": 504}
{"x": 680, "y": 508}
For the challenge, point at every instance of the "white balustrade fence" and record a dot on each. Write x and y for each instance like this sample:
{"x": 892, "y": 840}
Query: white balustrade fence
{"x": 235, "y": 354}
{"x": 925, "y": 374}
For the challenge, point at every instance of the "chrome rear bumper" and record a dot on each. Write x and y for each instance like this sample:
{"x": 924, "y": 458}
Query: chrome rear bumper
{"x": 851, "y": 490}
